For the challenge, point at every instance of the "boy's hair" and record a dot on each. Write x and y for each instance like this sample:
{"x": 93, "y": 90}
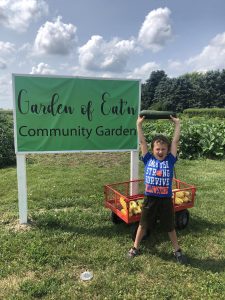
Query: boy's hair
{"x": 162, "y": 139}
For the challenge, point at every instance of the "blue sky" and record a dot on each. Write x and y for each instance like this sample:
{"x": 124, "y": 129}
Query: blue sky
{"x": 105, "y": 38}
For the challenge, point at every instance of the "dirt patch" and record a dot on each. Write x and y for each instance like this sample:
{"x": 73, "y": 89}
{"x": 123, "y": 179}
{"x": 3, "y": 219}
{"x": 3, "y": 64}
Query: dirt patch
{"x": 17, "y": 227}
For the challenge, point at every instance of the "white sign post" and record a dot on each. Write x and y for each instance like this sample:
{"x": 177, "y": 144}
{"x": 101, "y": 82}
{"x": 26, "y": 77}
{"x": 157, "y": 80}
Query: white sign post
{"x": 22, "y": 187}
{"x": 134, "y": 171}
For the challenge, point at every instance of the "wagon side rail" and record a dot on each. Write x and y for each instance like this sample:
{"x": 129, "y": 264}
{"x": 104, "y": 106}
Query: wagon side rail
{"x": 118, "y": 197}
{"x": 183, "y": 195}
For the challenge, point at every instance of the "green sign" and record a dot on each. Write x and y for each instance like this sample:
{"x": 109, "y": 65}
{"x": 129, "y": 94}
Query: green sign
{"x": 68, "y": 114}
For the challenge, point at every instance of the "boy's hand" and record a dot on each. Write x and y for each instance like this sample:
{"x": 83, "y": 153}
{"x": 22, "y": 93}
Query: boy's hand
{"x": 142, "y": 141}
{"x": 175, "y": 120}
{"x": 140, "y": 120}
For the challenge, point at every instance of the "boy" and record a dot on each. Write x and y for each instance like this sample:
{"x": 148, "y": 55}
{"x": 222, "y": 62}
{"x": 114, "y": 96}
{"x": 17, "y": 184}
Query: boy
{"x": 158, "y": 187}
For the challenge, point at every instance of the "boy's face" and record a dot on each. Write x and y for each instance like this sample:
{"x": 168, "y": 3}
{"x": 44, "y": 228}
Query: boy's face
{"x": 160, "y": 150}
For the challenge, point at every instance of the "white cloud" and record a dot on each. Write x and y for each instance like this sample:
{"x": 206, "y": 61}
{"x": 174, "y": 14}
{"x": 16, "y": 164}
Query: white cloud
{"x": 6, "y": 48}
{"x": 27, "y": 48}
{"x": 55, "y": 38}
{"x": 99, "y": 55}
{"x": 43, "y": 69}
{"x": 3, "y": 64}
{"x": 156, "y": 29}
{"x": 212, "y": 56}
{"x": 144, "y": 71}
{"x": 6, "y": 91}
{"x": 175, "y": 67}
{"x": 174, "y": 64}
{"x": 6, "y": 51}
{"x": 18, "y": 14}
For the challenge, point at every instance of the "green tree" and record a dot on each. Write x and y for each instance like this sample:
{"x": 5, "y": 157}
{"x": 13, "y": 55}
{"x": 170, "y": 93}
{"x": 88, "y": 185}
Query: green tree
{"x": 220, "y": 99}
{"x": 173, "y": 94}
{"x": 192, "y": 79}
{"x": 7, "y": 152}
{"x": 209, "y": 89}
{"x": 148, "y": 88}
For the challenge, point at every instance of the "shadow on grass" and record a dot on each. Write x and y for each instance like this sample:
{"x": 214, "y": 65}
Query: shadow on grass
{"x": 208, "y": 264}
{"x": 196, "y": 225}
{"x": 101, "y": 229}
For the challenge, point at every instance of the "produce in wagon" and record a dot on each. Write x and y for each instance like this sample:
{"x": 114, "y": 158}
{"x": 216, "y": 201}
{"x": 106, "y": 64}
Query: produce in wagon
{"x": 123, "y": 203}
{"x": 178, "y": 200}
{"x": 124, "y": 206}
{"x": 123, "y": 211}
{"x": 140, "y": 202}
{"x": 181, "y": 196}
{"x": 135, "y": 208}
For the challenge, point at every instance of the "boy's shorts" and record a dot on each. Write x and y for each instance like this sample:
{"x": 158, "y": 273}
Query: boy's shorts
{"x": 157, "y": 207}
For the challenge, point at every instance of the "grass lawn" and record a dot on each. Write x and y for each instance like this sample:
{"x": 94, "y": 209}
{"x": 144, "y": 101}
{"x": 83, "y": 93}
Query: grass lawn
{"x": 70, "y": 231}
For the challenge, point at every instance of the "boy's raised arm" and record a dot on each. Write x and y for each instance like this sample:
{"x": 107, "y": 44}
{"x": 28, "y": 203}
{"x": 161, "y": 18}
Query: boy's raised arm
{"x": 141, "y": 137}
{"x": 176, "y": 136}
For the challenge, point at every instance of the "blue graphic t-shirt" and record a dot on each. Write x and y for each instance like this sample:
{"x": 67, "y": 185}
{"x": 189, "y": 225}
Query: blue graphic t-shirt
{"x": 158, "y": 175}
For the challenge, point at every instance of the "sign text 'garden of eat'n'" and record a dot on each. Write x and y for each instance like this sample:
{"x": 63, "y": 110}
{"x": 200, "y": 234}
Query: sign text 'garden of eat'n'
{"x": 68, "y": 114}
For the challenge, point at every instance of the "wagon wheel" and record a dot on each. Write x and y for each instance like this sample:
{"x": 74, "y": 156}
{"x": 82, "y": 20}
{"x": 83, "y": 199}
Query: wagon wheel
{"x": 182, "y": 219}
{"x": 115, "y": 219}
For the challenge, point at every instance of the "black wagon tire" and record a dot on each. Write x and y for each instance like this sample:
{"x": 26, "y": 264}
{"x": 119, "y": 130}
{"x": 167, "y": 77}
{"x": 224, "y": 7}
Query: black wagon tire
{"x": 116, "y": 219}
{"x": 182, "y": 219}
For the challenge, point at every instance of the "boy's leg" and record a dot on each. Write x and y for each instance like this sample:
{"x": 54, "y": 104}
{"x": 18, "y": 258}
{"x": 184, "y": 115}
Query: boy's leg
{"x": 173, "y": 238}
{"x": 147, "y": 220}
{"x": 180, "y": 257}
{"x": 139, "y": 235}
{"x": 134, "y": 251}
{"x": 167, "y": 217}
{"x": 148, "y": 215}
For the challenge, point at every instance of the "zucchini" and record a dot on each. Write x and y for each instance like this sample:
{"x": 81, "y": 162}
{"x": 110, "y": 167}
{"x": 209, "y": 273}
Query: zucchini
{"x": 154, "y": 115}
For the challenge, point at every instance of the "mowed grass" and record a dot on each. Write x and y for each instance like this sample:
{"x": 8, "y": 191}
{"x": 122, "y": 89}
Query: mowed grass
{"x": 70, "y": 231}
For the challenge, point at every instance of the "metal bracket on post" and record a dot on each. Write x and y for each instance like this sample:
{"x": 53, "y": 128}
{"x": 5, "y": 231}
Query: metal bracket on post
{"x": 134, "y": 171}
{"x": 22, "y": 187}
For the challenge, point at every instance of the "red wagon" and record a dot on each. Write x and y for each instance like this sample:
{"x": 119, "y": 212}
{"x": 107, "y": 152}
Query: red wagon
{"x": 124, "y": 199}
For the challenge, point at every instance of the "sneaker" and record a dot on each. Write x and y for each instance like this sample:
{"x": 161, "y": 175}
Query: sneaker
{"x": 180, "y": 257}
{"x": 134, "y": 252}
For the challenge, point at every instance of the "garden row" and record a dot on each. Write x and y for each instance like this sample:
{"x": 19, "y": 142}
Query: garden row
{"x": 205, "y": 112}
{"x": 7, "y": 153}
{"x": 200, "y": 137}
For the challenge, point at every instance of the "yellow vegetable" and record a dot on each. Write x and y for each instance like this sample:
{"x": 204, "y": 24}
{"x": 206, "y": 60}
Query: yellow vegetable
{"x": 178, "y": 200}
{"x": 180, "y": 194}
{"x": 134, "y": 208}
{"x": 140, "y": 202}
{"x": 124, "y": 211}
{"x": 137, "y": 210}
{"x": 185, "y": 199}
{"x": 133, "y": 204}
{"x": 123, "y": 203}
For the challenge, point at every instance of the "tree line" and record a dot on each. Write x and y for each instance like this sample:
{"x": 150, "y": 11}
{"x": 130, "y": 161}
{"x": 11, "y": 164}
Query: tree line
{"x": 7, "y": 152}
{"x": 191, "y": 90}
